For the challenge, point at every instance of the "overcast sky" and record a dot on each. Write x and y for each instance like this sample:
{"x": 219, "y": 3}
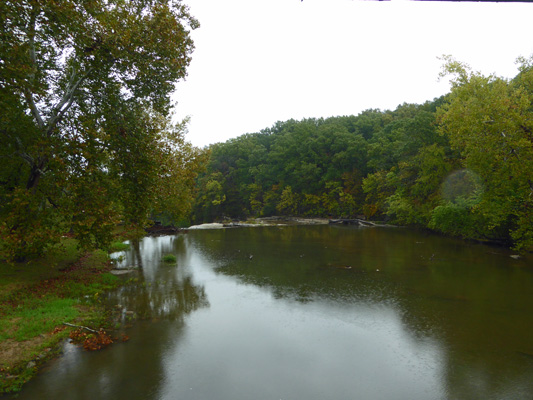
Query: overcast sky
{"x": 261, "y": 61}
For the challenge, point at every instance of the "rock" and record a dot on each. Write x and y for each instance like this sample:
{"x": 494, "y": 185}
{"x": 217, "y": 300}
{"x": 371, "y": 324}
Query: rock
{"x": 31, "y": 364}
{"x": 353, "y": 221}
{"x": 207, "y": 226}
{"x": 121, "y": 271}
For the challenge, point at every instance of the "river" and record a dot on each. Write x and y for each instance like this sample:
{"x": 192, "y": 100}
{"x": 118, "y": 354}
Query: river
{"x": 310, "y": 312}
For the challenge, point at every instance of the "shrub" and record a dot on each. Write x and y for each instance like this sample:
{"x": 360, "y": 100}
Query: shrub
{"x": 169, "y": 258}
{"x": 457, "y": 219}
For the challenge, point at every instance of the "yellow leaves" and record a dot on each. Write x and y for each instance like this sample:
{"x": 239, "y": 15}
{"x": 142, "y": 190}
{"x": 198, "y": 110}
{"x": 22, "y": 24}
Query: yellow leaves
{"x": 490, "y": 121}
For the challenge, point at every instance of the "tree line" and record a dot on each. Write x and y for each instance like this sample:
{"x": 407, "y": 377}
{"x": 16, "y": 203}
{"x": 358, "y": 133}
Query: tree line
{"x": 461, "y": 164}
{"x": 87, "y": 141}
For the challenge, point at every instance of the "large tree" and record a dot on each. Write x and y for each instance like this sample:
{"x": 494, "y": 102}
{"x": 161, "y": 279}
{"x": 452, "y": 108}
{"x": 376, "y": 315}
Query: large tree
{"x": 84, "y": 86}
{"x": 489, "y": 120}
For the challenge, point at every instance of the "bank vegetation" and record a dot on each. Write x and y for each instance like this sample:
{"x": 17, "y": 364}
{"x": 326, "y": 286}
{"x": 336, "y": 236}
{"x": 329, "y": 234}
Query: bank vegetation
{"x": 461, "y": 164}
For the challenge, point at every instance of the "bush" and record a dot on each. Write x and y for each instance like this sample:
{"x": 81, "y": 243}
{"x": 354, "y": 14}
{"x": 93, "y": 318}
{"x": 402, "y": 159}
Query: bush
{"x": 456, "y": 219}
{"x": 401, "y": 210}
{"x": 169, "y": 258}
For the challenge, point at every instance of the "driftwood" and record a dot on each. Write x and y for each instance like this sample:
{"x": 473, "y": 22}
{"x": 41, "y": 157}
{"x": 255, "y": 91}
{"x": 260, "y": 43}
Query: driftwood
{"x": 80, "y": 327}
{"x": 354, "y": 221}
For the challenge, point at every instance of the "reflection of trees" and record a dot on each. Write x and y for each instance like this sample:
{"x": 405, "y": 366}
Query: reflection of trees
{"x": 298, "y": 262}
{"x": 482, "y": 318}
{"x": 160, "y": 297}
{"x": 147, "y": 252}
{"x": 137, "y": 259}
{"x": 465, "y": 296}
{"x": 162, "y": 291}
{"x": 170, "y": 300}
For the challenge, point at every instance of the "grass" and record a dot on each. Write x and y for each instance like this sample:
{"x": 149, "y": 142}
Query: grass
{"x": 28, "y": 323}
{"x": 118, "y": 246}
{"x": 169, "y": 258}
{"x": 38, "y": 297}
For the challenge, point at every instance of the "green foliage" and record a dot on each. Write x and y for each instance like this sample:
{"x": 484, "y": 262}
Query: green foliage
{"x": 247, "y": 176}
{"x": 288, "y": 204}
{"x": 377, "y": 191}
{"x": 37, "y": 298}
{"x": 488, "y": 119}
{"x": 86, "y": 138}
{"x": 457, "y": 219}
{"x": 461, "y": 164}
{"x": 30, "y": 227}
{"x": 118, "y": 246}
{"x": 169, "y": 258}
{"x": 97, "y": 259}
{"x": 401, "y": 210}
{"x": 43, "y": 298}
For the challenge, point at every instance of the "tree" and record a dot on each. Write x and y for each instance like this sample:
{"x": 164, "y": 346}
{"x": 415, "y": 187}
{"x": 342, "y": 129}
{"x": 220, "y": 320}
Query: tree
{"x": 289, "y": 202}
{"x": 210, "y": 197}
{"x": 489, "y": 120}
{"x": 154, "y": 167}
{"x": 79, "y": 80}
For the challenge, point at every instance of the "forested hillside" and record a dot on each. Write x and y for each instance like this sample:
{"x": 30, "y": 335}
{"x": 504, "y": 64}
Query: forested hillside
{"x": 461, "y": 164}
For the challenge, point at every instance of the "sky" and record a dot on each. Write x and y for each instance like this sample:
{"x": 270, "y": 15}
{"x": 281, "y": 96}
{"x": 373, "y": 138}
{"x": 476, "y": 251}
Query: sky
{"x": 257, "y": 62}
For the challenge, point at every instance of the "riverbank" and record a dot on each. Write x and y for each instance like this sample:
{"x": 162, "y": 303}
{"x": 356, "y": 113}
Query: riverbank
{"x": 265, "y": 221}
{"x": 283, "y": 220}
{"x": 38, "y": 299}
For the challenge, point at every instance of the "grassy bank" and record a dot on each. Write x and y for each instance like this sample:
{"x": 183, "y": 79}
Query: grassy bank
{"x": 38, "y": 297}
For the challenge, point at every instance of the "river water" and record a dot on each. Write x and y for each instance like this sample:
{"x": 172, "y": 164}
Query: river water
{"x": 311, "y": 312}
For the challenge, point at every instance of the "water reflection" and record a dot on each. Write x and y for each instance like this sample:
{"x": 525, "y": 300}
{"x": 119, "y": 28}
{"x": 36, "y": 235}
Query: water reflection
{"x": 312, "y": 313}
{"x": 473, "y": 300}
{"x": 153, "y": 305}
{"x": 160, "y": 290}
{"x": 289, "y": 350}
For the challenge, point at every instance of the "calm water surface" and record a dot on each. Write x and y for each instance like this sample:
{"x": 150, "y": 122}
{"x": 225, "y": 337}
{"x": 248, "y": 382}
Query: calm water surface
{"x": 311, "y": 312}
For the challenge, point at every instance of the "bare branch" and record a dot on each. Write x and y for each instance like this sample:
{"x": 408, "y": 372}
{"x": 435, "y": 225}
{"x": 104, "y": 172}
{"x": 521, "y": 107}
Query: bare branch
{"x": 81, "y": 327}
{"x": 25, "y": 156}
{"x": 31, "y": 38}
{"x": 31, "y": 77}
{"x": 68, "y": 98}
{"x": 33, "y": 107}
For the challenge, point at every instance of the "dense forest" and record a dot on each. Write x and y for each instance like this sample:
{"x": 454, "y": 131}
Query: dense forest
{"x": 461, "y": 164}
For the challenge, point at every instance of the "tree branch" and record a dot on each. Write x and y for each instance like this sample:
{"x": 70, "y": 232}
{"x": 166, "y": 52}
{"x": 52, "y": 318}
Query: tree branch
{"x": 25, "y": 156}
{"x": 80, "y": 327}
{"x": 33, "y": 107}
{"x": 31, "y": 77}
{"x": 65, "y": 103}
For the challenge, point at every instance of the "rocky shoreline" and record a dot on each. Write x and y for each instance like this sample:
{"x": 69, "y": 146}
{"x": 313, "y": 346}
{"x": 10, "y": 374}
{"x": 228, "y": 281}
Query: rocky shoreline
{"x": 158, "y": 229}
{"x": 266, "y": 221}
